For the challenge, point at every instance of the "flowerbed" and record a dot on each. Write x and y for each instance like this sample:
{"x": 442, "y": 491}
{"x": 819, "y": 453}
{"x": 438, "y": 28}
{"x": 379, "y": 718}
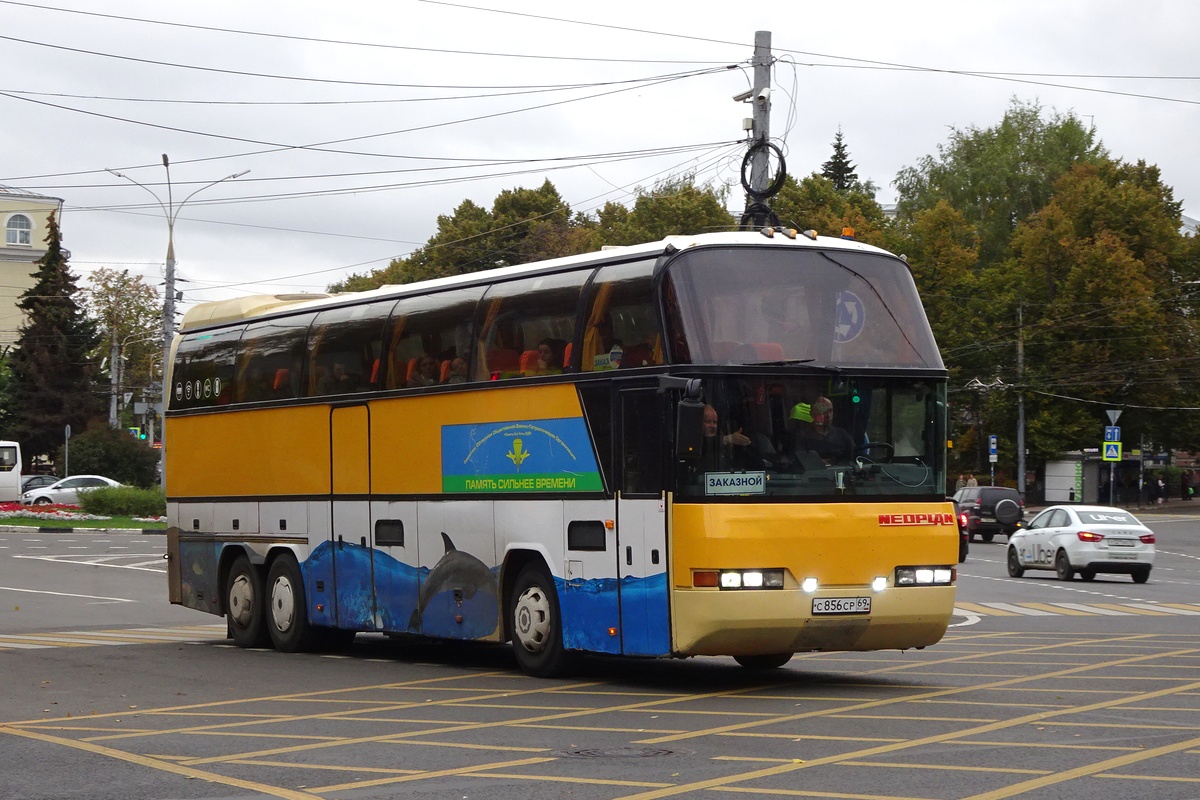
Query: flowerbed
{"x": 53, "y": 511}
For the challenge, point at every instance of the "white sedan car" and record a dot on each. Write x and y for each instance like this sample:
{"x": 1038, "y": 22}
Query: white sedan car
{"x": 1083, "y": 539}
{"x": 66, "y": 491}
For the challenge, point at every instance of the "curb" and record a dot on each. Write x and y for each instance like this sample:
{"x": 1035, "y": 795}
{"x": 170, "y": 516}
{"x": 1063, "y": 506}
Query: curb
{"x": 56, "y": 529}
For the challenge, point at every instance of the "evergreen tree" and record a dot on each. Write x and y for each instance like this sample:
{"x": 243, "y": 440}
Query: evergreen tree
{"x": 839, "y": 169}
{"x": 51, "y": 364}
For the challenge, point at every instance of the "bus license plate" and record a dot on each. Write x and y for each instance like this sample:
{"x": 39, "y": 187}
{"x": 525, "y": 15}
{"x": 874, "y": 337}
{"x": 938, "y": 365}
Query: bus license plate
{"x": 841, "y": 605}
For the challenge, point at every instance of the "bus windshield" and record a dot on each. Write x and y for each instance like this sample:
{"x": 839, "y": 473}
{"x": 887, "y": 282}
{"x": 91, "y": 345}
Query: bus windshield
{"x": 819, "y": 437}
{"x": 741, "y": 305}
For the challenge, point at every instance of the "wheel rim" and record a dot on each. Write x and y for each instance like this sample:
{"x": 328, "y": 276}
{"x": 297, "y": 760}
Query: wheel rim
{"x": 1013, "y": 563}
{"x": 241, "y": 600}
{"x": 283, "y": 604}
{"x": 531, "y": 619}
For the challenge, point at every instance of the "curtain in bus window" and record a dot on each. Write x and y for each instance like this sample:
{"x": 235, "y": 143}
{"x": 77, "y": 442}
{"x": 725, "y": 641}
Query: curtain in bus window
{"x": 595, "y": 333}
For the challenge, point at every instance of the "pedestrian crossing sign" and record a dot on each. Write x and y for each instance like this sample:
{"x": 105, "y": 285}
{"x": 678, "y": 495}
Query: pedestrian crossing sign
{"x": 1112, "y": 451}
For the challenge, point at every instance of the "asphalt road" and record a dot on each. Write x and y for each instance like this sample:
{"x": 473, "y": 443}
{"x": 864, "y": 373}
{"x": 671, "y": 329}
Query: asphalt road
{"x": 1040, "y": 690}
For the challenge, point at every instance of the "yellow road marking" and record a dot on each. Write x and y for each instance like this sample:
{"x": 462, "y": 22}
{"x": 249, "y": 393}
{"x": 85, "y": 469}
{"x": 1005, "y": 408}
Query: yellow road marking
{"x": 1084, "y": 771}
{"x": 441, "y": 773}
{"x": 162, "y": 766}
{"x": 1037, "y": 717}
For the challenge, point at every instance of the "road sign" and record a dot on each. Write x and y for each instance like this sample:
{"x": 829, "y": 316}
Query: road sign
{"x": 1113, "y": 415}
{"x": 1112, "y": 433}
{"x": 1112, "y": 451}
{"x": 992, "y": 445}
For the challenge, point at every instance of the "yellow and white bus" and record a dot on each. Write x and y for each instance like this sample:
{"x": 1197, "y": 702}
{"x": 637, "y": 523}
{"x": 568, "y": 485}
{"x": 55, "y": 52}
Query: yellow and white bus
{"x": 525, "y": 454}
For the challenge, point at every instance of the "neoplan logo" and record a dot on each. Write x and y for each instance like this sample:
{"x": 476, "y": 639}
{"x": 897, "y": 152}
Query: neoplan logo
{"x": 917, "y": 519}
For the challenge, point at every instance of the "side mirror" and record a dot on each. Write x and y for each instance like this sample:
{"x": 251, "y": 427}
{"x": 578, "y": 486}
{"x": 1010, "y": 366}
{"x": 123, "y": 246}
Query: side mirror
{"x": 689, "y": 429}
{"x": 689, "y": 415}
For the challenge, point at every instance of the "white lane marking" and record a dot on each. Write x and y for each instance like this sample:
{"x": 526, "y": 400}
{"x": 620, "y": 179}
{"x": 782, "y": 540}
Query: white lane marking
{"x": 66, "y": 594}
{"x": 1108, "y": 612}
{"x": 1028, "y": 612}
{"x": 1165, "y": 609}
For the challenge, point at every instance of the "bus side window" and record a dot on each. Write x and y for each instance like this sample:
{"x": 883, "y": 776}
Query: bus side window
{"x": 621, "y": 327}
{"x": 434, "y": 326}
{"x": 343, "y": 346}
{"x": 205, "y": 357}
{"x": 521, "y": 319}
{"x": 272, "y": 355}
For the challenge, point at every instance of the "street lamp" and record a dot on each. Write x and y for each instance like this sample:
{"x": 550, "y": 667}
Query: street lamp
{"x": 171, "y": 212}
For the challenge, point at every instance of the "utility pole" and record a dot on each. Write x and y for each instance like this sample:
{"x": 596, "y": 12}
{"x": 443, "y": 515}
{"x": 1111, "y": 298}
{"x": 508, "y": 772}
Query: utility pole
{"x": 761, "y": 134}
{"x": 1020, "y": 401}
{"x": 759, "y": 184}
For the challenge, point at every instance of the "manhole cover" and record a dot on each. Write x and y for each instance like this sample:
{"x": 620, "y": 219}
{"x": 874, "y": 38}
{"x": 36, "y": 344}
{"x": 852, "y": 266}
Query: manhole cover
{"x": 618, "y": 752}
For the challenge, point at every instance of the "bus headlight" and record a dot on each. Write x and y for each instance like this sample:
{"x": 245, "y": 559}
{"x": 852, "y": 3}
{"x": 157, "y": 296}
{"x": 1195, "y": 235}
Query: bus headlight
{"x": 741, "y": 579}
{"x": 879, "y": 584}
{"x": 925, "y": 576}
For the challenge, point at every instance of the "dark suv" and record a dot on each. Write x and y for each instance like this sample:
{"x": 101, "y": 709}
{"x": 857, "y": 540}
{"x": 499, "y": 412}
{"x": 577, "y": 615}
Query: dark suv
{"x": 990, "y": 510}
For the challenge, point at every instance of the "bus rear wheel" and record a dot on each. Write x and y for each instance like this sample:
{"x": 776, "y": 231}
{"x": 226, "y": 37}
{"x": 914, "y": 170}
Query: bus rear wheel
{"x": 536, "y": 625}
{"x": 767, "y": 661}
{"x": 243, "y": 604}
{"x": 287, "y": 615}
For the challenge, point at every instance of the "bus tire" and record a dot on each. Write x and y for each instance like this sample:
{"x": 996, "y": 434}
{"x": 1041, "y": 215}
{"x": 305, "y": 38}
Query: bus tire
{"x": 536, "y": 625}
{"x": 287, "y": 611}
{"x": 243, "y": 605}
{"x": 765, "y": 661}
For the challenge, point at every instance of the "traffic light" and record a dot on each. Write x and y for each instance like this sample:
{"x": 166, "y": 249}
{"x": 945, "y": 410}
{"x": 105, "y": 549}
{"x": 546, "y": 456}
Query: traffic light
{"x": 136, "y": 433}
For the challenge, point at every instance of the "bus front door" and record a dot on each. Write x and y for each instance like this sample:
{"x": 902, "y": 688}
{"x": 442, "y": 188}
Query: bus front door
{"x": 353, "y": 562}
{"x": 642, "y": 523}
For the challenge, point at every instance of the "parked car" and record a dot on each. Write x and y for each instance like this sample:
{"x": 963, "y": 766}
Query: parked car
{"x": 990, "y": 510}
{"x": 1083, "y": 539}
{"x": 31, "y": 482}
{"x": 66, "y": 491}
{"x": 964, "y": 539}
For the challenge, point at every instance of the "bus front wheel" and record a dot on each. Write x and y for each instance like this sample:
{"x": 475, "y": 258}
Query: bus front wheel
{"x": 243, "y": 604}
{"x": 536, "y": 625}
{"x": 287, "y": 617}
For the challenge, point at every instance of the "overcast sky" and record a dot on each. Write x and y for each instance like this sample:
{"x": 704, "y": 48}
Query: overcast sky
{"x": 361, "y": 123}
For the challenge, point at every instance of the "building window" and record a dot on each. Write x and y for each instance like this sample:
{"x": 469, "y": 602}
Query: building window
{"x": 19, "y": 230}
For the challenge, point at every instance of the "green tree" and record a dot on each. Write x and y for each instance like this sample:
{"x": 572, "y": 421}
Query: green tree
{"x": 128, "y": 311}
{"x": 999, "y": 176}
{"x": 814, "y": 203}
{"x": 51, "y": 363}
{"x": 1104, "y": 280}
{"x": 104, "y": 450}
{"x": 839, "y": 169}
{"x": 675, "y": 206}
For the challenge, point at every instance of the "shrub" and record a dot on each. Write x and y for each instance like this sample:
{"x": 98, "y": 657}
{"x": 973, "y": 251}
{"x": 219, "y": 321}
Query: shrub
{"x": 103, "y": 450}
{"x": 124, "y": 501}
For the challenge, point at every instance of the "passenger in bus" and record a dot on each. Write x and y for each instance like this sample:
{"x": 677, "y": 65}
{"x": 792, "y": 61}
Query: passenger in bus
{"x": 426, "y": 374}
{"x": 255, "y": 385}
{"x": 337, "y": 380}
{"x": 550, "y": 357}
{"x": 815, "y": 432}
{"x": 458, "y": 371}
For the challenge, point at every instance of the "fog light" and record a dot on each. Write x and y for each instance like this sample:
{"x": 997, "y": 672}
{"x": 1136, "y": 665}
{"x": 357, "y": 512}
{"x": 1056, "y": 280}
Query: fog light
{"x": 879, "y": 584}
{"x": 731, "y": 580}
{"x": 752, "y": 580}
{"x": 809, "y": 585}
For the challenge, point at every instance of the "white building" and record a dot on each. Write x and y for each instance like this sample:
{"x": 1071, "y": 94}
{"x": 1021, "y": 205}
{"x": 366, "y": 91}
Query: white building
{"x": 25, "y": 216}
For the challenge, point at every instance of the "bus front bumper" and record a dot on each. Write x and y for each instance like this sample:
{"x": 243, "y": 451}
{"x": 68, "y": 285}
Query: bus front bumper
{"x": 714, "y": 622}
